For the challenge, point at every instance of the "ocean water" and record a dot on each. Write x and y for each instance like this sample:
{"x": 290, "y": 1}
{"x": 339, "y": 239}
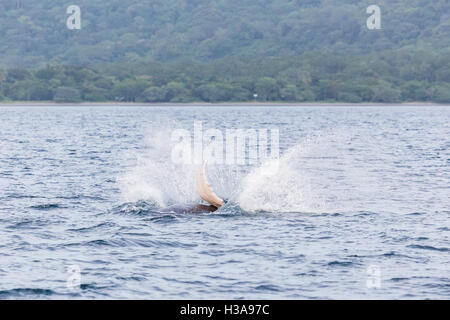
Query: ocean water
{"x": 358, "y": 207}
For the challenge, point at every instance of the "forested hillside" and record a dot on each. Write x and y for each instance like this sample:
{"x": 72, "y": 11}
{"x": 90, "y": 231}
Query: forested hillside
{"x": 388, "y": 77}
{"x": 225, "y": 50}
{"x": 35, "y": 32}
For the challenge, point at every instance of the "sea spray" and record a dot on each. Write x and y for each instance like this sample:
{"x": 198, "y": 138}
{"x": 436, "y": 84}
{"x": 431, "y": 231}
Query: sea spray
{"x": 275, "y": 186}
{"x": 317, "y": 174}
{"x": 309, "y": 178}
{"x": 154, "y": 177}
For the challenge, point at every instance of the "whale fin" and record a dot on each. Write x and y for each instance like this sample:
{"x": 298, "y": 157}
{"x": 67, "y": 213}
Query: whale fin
{"x": 205, "y": 190}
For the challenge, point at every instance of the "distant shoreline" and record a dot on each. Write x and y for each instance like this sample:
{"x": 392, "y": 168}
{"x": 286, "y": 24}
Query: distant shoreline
{"x": 220, "y": 104}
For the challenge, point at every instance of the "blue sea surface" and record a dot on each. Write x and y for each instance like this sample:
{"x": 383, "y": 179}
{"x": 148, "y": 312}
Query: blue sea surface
{"x": 358, "y": 208}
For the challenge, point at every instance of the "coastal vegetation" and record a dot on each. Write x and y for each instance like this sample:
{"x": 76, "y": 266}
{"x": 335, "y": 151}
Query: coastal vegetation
{"x": 217, "y": 51}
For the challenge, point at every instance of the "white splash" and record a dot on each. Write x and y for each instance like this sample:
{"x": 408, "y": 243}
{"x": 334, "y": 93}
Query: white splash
{"x": 278, "y": 186}
{"x": 316, "y": 175}
{"x": 154, "y": 177}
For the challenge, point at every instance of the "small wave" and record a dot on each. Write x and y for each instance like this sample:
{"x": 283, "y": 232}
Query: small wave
{"x": 47, "y": 206}
{"x": 417, "y": 246}
{"x": 29, "y": 224}
{"x": 268, "y": 287}
{"x": 95, "y": 227}
{"x": 22, "y": 196}
{"x": 192, "y": 282}
{"x": 341, "y": 263}
{"x": 416, "y": 213}
{"x": 444, "y": 286}
{"x": 127, "y": 242}
{"x": 165, "y": 218}
{"x": 136, "y": 208}
{"x": 390, "y": 254}
{"x": 98, "y": 243}
{"x": 94, "y": 286}
{"x": 81, "y": 196}
{"x": 25, "y": 292}
{"x": 132, "y": 278}
{"x": 399, "y": 279}
{"x": 230, "y": 208}
{"x": 364, "y": 213}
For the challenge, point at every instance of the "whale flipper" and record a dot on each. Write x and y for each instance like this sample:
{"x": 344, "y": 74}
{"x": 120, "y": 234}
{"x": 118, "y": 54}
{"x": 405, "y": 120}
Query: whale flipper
{"x": 205, "y": 190}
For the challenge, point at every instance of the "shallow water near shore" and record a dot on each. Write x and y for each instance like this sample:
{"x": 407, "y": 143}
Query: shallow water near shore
{"x": 359, "y": 207}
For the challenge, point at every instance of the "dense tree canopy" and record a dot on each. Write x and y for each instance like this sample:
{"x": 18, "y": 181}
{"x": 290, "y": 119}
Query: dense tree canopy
{"x": 225, "y": 50}
{"x": 34, "y": 33}
{"x": 393, "y": 76}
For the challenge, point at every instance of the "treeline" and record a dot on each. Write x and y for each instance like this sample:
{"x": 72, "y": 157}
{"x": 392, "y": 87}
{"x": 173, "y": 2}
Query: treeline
{"x": 395, "y": 76}
{"x": 33, "y": 33}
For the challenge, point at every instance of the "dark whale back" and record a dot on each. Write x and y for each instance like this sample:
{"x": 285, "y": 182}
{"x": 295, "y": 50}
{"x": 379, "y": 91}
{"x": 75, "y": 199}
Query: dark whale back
{"x": 190, "y": 208}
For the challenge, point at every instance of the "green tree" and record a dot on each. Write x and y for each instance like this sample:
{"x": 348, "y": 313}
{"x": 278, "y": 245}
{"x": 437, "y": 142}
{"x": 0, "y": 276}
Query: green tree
{"x": 155, "y": 94}
{"x": 441, "y": 93}
{"x": 267, "y": 89}
{"x": 177, "y": 92}
{"x": 291, "y": 93}
{"x": 129, "y": 89}
{"x": 67, "y": 94}
{"x": 384, "y": 92}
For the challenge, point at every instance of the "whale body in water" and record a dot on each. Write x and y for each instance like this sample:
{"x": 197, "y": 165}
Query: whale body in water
{"x": 205, "y": 192}
{"x": 190, "y": 208}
